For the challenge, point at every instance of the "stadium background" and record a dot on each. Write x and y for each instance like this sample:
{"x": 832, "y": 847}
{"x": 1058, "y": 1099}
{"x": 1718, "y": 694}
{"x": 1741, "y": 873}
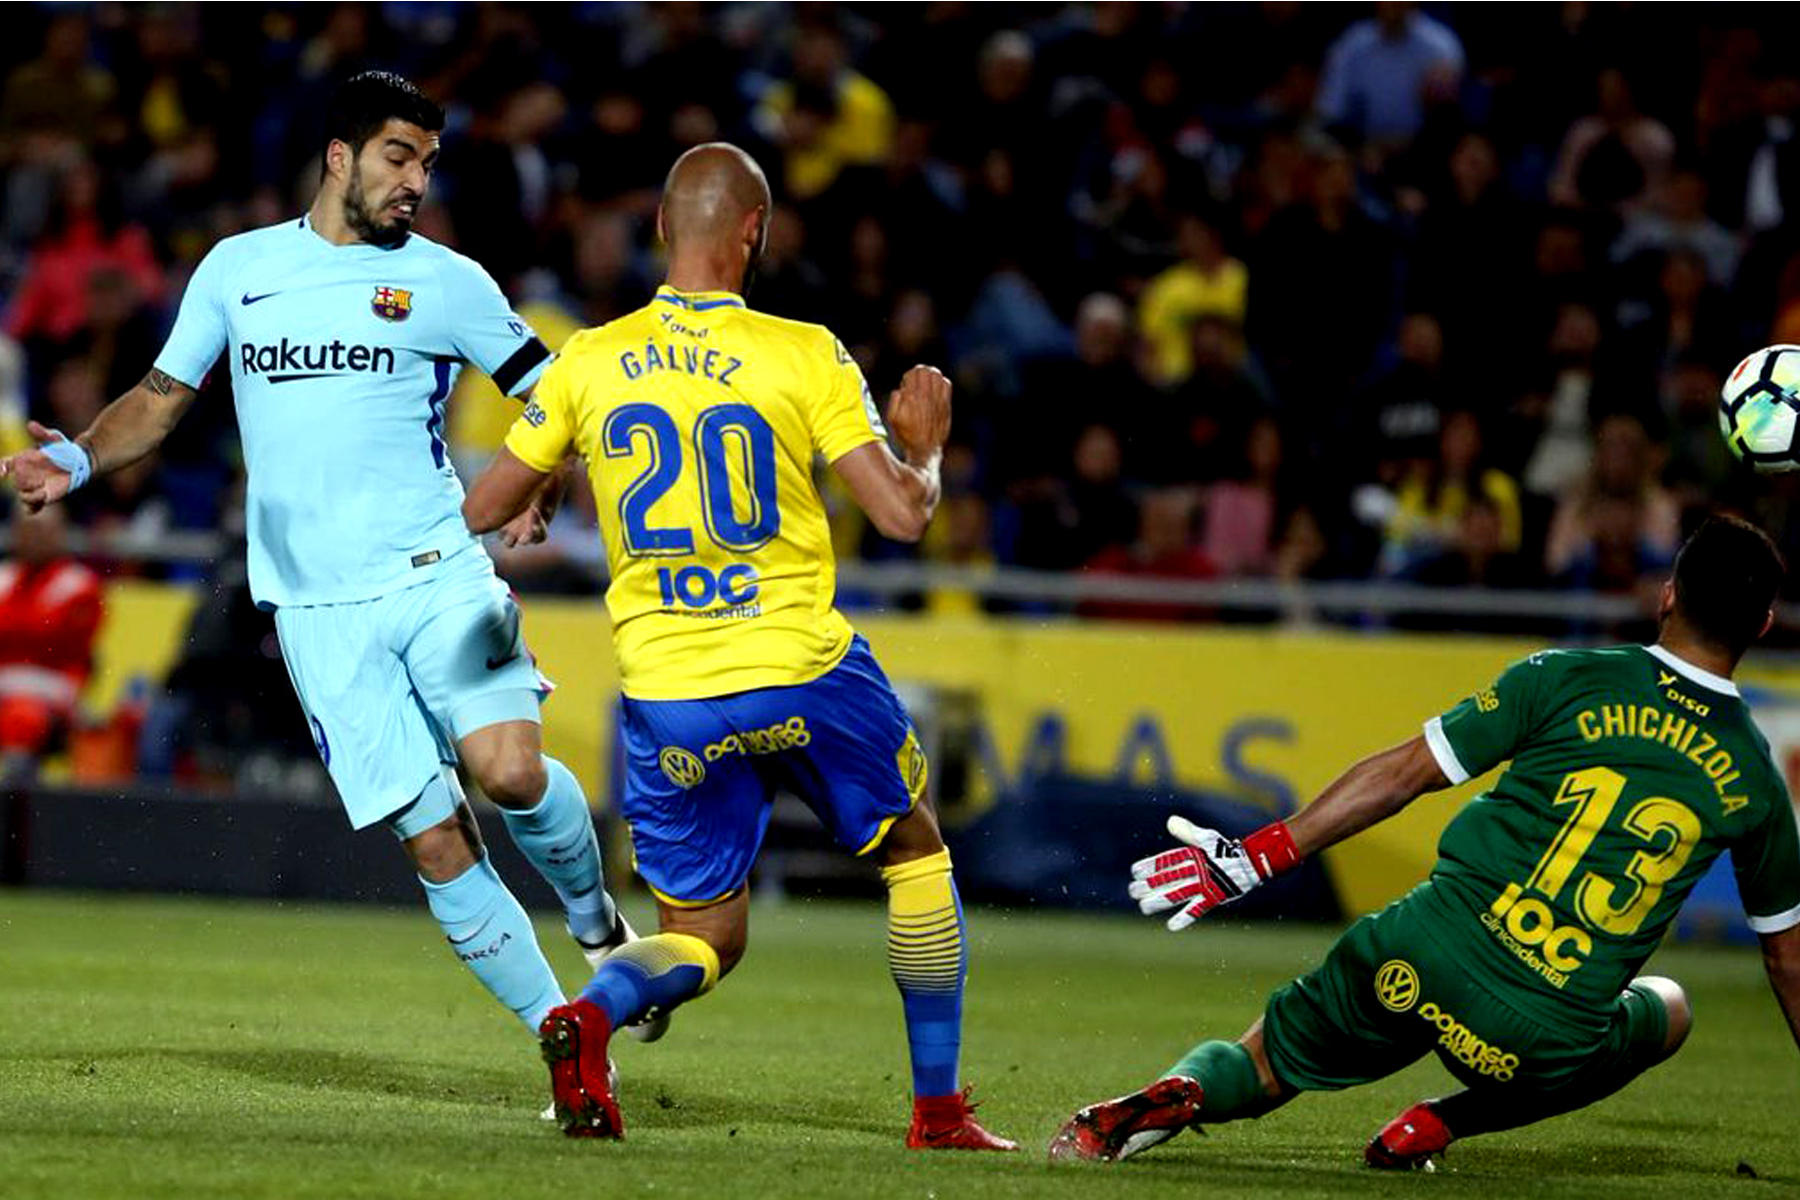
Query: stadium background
{"x": 1275, "y": 329}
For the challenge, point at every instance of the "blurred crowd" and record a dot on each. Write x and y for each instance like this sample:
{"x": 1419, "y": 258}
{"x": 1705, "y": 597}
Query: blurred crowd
{"x": 1439, "y": 294}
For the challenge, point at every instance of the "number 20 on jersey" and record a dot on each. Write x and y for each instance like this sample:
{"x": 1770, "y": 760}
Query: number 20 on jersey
{"x": 724, "y": 436}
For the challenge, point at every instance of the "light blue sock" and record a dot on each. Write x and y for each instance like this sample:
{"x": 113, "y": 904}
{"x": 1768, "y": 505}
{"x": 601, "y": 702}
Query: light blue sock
{"x": 558, "y": 837}
{"x": 492, "y": 935}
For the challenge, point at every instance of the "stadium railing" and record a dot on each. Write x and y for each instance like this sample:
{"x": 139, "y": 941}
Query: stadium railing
{"x": 889, "y": 582}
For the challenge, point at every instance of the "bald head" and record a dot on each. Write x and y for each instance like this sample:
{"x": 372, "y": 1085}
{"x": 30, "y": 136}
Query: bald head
{"x": 711, "y": 193}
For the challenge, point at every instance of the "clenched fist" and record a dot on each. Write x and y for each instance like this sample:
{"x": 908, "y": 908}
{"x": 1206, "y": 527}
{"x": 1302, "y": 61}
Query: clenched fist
{"x": 919, "y": 412}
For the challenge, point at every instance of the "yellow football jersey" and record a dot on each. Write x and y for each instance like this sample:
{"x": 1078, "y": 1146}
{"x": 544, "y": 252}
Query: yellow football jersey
{"x": 699, "y": 419}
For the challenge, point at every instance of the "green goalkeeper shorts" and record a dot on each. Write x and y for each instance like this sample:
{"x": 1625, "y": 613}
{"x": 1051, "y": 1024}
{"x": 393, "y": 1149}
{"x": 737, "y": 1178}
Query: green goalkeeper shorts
{"x": 1388, "y": 993}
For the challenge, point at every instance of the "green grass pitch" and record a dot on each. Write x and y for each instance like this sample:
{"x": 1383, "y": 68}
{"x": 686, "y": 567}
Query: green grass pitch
{"x": 167, "y": 1047}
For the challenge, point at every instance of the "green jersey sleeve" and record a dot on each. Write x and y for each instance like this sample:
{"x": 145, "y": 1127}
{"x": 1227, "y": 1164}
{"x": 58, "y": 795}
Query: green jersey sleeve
{"x": 1767, "y": 862}
{"x": 1484, "y": 730}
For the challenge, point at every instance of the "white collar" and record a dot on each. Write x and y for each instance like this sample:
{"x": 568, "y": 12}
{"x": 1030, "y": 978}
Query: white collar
{"x": 1682, "y": 666}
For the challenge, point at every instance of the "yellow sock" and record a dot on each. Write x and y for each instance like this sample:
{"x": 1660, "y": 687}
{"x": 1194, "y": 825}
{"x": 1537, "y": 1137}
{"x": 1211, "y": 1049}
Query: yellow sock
{"x": 929, "y": 963}
{"x": 653, "y": 972}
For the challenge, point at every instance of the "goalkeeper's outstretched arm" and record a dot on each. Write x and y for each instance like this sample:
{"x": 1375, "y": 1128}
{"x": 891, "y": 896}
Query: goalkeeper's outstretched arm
{"x": 1368, "y": 793}
{"x": 1209, "y": 868}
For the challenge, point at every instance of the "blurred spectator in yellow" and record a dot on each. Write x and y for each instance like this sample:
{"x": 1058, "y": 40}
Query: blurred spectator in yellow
{"x": 50, "y": 610}
{"x": 174, "y": 93}
{"x": 13, "y": 437}
{"x": 1207, "y": 282}
{"x": 1477, "y": 553}
{"x": 1431, "y": 499}
{"x": 1475, "y": 557}
{"x": 828, "y": 116}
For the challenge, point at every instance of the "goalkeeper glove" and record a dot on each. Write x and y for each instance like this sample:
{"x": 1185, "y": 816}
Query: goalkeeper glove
{"x": 1210, "y": 869}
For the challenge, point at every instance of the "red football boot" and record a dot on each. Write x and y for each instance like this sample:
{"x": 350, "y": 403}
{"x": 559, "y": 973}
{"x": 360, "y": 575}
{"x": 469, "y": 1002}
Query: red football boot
{"x": 1120, "y": 1128}
{"x": 573, "y": 1039}
{"x": 1409, "y": 1140}
{"x": 948, "y": 1123}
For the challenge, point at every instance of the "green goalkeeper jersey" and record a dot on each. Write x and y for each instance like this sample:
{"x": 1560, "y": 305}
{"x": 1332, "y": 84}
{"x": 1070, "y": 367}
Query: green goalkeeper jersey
{"x": 1631, "y": 771}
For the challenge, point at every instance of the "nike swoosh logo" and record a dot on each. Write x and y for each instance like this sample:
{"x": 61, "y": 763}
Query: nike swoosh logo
{"x": 249, "y": 299}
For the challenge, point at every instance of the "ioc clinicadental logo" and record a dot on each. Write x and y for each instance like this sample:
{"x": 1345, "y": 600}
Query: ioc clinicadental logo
{"x": 683, "y": 767}
{"x": 1397, "y": 985}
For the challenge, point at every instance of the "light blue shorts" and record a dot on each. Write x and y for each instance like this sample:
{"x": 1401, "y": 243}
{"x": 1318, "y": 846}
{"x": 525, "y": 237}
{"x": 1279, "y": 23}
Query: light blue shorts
{"x": 390, "y": 685}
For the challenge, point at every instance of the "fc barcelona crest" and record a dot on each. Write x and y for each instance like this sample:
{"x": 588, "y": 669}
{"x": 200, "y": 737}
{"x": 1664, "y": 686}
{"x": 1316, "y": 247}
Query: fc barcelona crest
{"x": 392, "y": 304}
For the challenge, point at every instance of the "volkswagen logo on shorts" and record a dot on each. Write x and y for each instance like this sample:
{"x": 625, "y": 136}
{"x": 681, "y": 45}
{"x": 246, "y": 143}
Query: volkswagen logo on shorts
{"x": 683, "y": 767}
{"x": 1397, "y": 985}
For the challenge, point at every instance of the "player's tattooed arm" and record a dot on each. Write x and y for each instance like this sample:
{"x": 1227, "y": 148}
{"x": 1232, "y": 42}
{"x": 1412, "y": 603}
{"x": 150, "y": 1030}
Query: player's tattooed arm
{"x": 137, "y": 422}
{"x": 125, "y": 431}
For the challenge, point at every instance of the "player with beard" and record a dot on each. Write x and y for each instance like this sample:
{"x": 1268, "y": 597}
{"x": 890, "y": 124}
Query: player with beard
{"x": 700, "y": 420}
{"x": 343, "y": 331}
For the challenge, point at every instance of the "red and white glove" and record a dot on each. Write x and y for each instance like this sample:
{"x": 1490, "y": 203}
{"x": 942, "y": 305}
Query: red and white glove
{"x": 1210, "y": 869}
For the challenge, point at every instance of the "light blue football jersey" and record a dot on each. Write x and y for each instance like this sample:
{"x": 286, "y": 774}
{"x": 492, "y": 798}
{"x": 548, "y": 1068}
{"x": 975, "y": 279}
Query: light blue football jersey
{"x": 341, "y": 360}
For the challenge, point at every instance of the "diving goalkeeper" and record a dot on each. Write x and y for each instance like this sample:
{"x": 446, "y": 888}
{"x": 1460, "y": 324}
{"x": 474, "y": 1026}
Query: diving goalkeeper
{"x": 1516, "y": 962}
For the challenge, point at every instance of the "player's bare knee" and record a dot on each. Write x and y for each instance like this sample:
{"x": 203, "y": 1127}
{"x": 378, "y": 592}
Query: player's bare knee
{"x": 1675, "y": 1003}
{"x": 513, "y": 780}
{"x": 724, "y": 926}
{"x": 442, "y": 852}
{"x": 912, "y": 837}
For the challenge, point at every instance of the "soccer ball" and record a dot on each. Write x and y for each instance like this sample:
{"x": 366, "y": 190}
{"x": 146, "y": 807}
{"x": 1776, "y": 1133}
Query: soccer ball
{"x": 1759, "y": 407}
